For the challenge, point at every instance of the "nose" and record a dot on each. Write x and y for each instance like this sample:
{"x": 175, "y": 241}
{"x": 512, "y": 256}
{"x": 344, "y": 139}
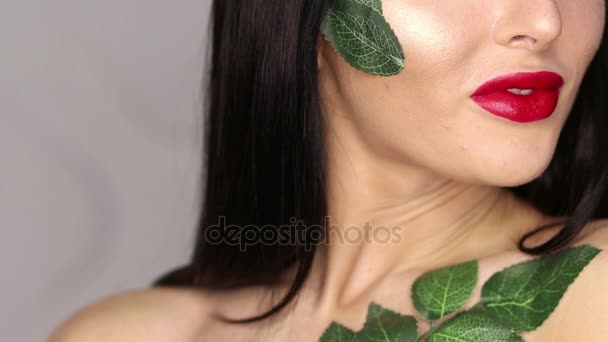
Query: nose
{"x": 528, "y": 24}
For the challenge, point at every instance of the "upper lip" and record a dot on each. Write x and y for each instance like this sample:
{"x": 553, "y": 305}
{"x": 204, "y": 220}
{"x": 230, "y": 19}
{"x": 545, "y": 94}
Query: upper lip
{"x": 521, "y": 80}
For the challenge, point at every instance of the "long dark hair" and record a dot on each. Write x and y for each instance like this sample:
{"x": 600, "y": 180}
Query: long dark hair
{"x": 265, "y": 156}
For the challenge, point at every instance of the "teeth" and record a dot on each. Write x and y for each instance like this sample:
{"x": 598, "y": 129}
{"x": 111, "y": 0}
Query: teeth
{"x": 520, "y": 91}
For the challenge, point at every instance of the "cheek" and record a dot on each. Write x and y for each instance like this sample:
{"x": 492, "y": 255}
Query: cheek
{"x": 439, "y": 40}
{"x": 583, "y": 28}
{"x": 435, "y": 31}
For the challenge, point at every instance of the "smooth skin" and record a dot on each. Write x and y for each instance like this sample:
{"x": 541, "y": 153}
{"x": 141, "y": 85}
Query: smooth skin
{"x": 415, "y": 153}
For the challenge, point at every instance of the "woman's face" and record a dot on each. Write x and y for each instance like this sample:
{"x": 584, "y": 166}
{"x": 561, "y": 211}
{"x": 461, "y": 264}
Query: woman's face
{"x": 425, "y": 116}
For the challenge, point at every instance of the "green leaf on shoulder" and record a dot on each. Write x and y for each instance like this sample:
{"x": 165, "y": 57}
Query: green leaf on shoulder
{"x": 519, "y": 298}
{"x": 337, "y": 333}
{"x": 525, "y": 294}
{"x": 439, "y": 293}
{"x": 474, "y": 326}
{"x": 381, "y": 325}
{"x": 385, "y": 325}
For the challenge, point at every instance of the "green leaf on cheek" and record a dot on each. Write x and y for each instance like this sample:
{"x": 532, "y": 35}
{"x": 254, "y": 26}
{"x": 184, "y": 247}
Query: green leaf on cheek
{"x": 376, "y": 5}
{"x": 360, "y": 34}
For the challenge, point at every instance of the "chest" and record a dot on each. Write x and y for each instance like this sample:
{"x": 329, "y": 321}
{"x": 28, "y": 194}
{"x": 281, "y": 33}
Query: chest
{"x": 301, "y": 327}
{"x": 301, "y": 323}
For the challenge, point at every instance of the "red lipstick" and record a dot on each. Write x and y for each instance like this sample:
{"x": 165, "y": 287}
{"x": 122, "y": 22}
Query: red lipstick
{"x": 532, "y": 96}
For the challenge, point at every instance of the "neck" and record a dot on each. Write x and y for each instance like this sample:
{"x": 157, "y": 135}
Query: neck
{"x": 380, "y": 226}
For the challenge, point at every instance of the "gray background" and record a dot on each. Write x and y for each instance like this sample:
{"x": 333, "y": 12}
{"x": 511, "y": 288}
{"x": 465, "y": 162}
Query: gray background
{"x": 99, "y": 141}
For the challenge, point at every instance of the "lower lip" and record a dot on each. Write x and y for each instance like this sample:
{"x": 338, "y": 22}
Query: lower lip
{"x": 520, "y": 108}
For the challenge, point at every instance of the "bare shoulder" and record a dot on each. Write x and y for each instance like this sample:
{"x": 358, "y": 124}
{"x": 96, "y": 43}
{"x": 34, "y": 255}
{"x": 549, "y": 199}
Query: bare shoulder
{"x": 154, "y": 315}
{"x": 581, "y": 314}
{"x": 596, "y": 233}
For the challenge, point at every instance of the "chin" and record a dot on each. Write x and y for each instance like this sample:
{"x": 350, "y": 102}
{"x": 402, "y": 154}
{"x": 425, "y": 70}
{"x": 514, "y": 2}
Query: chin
{"x": 513, "y": 172}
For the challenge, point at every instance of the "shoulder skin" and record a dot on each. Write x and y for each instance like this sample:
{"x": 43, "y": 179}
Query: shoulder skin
{"x": 151, "y": 315}
{"x": 582, "y": 313}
